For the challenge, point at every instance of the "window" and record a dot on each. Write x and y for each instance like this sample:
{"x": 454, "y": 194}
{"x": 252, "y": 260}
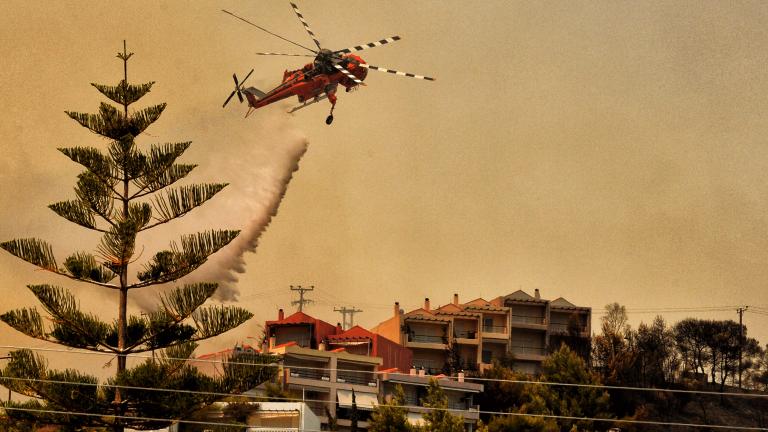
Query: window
{"x": 487, "y": 356}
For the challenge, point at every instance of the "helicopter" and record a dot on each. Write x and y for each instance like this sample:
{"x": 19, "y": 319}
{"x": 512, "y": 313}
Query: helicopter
{"x": 317, "y": 80}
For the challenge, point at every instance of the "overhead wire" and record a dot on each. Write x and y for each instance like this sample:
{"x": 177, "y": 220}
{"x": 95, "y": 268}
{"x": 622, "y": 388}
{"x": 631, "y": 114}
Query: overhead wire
{"x": 466, "y": 378}
{"x": 497, "y": 413}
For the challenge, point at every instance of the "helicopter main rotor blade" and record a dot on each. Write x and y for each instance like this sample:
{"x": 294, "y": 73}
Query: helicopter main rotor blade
{"x": 283, "y": 54}
{"x": 246, "y": 77}
{"x": 265, "y": 30}
{"x": 306, "y": 25}
{"x": 348, "y": 73}
{"x": 395, "y": 72}
{"x": 368, "y": 45}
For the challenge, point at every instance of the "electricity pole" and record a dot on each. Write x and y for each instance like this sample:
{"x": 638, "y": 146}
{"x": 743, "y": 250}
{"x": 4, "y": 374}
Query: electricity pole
{"x": 301, "y": 301}
{"x": 740, "y": 311}
{"x": 344, "y": 311}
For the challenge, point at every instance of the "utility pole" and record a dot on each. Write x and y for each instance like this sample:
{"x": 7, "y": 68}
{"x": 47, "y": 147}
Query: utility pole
{"x": 344, "y": 311}
{"x": 740, "y": 311}
{"x": 302, "y": 301}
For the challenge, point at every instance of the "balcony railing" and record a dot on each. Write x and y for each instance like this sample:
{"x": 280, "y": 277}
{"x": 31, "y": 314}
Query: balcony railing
{"x": 528, "y": 319}
{"x": 362, "y": 378}
{"x": 427, "y": 338}
{"x": 563, "y": 328}
{"x": 430, "y": 366}
{"x": 317, "y": 374}
{"x": 494, "y": 329}
{"x": 469, "y": 334}
{"x": 527, "y": 350}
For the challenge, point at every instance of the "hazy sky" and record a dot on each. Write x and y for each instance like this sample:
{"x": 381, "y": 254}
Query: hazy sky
{"x": 599, "y": 151}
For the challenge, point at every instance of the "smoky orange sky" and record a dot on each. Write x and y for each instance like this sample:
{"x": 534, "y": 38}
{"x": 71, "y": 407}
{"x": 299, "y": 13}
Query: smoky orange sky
{"x": 599, "y": 151}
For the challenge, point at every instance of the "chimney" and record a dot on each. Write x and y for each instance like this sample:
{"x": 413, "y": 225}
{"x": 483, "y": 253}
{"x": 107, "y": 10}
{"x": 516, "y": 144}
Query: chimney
{"x": 455, "y": 299}
{"x": 412, "y": 371}
{"x": 426, "y": 304}
{"x": 461, "y": 377}
{"x": 397, "y": 308}
{"x": 422, "y": 372}
{"x": 264, "y": 346}
{"x": 339, "y": 328}
{"x": 322, "y": 346}
{"x": 536, "y": 294}
{"x": 280, "y": 315}
{"x": 272, "y": 341}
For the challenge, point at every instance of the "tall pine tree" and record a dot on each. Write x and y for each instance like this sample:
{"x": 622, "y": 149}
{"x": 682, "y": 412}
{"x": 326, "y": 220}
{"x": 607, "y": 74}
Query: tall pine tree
{"x": 123, "y": 192}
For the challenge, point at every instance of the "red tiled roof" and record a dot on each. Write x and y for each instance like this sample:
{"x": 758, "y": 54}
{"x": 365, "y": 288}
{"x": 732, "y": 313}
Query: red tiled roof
{"x": 355, "y": 333}
{"x": 296, "y": 318}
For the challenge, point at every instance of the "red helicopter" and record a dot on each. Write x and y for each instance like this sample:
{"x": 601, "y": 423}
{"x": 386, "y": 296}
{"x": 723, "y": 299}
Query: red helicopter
{"x": 317, "y": 80}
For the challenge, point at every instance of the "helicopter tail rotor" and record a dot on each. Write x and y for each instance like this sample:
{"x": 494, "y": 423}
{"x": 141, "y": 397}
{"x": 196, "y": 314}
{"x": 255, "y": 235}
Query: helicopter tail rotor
{"x": 238, "y": 88}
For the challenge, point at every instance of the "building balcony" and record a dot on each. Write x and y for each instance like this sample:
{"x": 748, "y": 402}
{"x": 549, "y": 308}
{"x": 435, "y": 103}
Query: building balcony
{"x": 562, "y": 329}
{"x": 529, "y": 322}
{"x": 427, "y": 341}
{"x": 528, "y": 352}
{"x": 313, "y": 374}
{"x": 495, "y": 332}
{"x": 467, "y": 337}
{"x": 363, "y": 378}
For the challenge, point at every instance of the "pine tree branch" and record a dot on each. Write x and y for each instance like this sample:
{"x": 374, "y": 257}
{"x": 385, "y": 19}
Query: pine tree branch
{"x": 24, "y": 363}
{"x": 93, "y": 160}
{"x": 124, "y": 93}
{"x": 178, "y": 305}
{"x": 83, "y": 266}
{"x": 76, "y": 212}
{"x": 98, "y": 197}
{"x": 214, "y": 320}
{"x": 40, "y": 253}
{"x": 180, "y": 201}
{"x": 71, "y": 326}
{"x": 170, "y": 265}
{"x": 111, "y": 123}
{"x": 33, "y": 251}
{"x": 160, "y": 168}
{"x": 27, "y": 321}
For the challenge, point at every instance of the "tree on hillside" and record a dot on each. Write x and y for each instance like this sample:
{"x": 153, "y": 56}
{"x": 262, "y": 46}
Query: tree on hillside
{"x": 391, "y": 416}
{"x": 657, "y": 361}
{"x": 562, "y": 366}
{"x": 125, "y": 190}
{"x": 607, "y": 347}
{"x": 438, "y": 418}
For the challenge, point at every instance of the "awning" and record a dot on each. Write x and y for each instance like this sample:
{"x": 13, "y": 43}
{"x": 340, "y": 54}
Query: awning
{"x": 366, "y": 401}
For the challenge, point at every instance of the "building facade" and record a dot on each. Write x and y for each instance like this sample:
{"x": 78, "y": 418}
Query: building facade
{"x": 479, "y": 331}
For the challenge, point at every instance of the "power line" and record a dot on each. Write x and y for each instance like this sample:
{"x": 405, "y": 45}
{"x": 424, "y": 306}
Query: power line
{"x": 480, "y": 379}
{"x": 156, "y": 419}
{"x": 497, "y": 413}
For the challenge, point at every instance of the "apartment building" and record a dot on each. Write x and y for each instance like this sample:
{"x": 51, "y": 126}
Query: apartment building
{"x": 326, "y": 380}
{"x": 482, "y": 330}
{"x": 539, "y": 326}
